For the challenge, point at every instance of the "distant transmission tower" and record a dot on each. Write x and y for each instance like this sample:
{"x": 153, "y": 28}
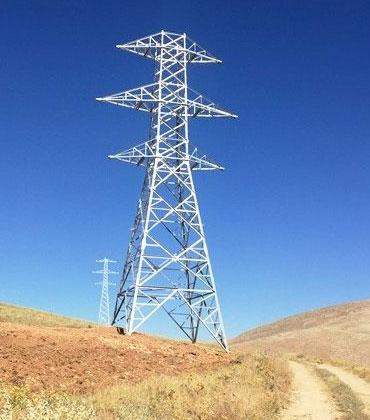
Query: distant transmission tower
{"x": 104, "y": 312}
{"x": 167, "y": 264}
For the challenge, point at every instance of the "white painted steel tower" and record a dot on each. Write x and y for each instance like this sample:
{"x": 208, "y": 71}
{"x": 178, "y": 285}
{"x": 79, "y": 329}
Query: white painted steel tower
{"x": 167, "y": 264}
{"x": 104, "y": 311}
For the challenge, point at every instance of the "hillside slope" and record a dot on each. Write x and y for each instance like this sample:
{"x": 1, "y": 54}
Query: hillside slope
{"x": 45, "y": 351}
{"x": 336, "y": 332}
{"x": 29, "y": 316}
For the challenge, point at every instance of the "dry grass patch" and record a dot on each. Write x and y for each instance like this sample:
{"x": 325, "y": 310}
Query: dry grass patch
{"x": 362, "y": 372}
{"x": 253, "y": 387}
{"x": 347, "y": 401}
{"x": 19, "y": 403}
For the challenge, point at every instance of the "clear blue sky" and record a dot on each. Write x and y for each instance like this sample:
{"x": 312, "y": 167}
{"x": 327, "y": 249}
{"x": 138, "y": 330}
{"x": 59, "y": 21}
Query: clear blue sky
{"x": 287, "y": 222}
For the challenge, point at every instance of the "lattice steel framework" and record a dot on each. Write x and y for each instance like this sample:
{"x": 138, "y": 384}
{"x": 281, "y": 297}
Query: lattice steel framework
{"x": 104, "y": 310}
{"x": 167, "y": 264}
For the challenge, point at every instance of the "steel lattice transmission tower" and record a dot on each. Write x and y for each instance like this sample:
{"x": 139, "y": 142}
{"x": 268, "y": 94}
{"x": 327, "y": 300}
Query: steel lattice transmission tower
{"x": 104, "y": 311}
{"x": 167, "y": 264}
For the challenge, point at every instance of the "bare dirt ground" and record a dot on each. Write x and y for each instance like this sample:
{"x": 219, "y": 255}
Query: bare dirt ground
{"x": 309, "y": 400}
{"x": 358, "y": 385}
{"x": 84, "y": 359}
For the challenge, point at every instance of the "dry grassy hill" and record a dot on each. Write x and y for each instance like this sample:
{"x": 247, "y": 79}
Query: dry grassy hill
{"x": 76, "y": 355}
{"x": 28, "y": 316}
{"x": 336, "y": 332}
{"x": 53, "y": 367}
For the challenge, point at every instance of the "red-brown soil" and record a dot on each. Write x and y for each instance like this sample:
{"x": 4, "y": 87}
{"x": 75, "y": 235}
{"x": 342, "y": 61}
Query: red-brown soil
{"x": 84, "y": 359}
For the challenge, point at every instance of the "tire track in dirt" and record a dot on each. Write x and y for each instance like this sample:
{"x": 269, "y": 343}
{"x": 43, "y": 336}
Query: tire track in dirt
{"x": 358, "y": 385}
{"x": 310, "y": 400}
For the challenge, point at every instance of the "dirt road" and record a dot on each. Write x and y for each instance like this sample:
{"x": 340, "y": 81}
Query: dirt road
{"x": 358, "y": 385}
{"x": 310, "y": 400}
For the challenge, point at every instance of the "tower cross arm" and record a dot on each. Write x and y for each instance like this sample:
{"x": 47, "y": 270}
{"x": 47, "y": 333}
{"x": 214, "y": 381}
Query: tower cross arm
{"x": 151, "y": 46}
{"x": 141, "y": 154}
{"x": 145, "y": 98}
{"x": 142, "y": 98}
{"x": 200, "y": 106}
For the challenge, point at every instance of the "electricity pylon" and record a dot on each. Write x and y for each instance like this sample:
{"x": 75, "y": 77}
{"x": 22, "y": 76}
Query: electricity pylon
{"x": 104, "y": 312}
{"x": 167, "y": 264}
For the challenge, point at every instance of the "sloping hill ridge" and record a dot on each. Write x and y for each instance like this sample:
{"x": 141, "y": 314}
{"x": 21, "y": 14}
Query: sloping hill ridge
{"x": 337, "y": 332}
{"x": 47, "y": 351}
{"x": 28, "y": 316}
